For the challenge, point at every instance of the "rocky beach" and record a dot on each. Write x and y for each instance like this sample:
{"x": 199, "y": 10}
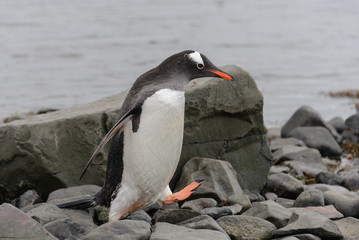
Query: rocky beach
{"x": 299, "y": 181}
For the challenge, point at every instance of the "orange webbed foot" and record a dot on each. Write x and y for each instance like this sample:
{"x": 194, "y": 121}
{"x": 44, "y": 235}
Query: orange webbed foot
{"x": 184, "y": 193}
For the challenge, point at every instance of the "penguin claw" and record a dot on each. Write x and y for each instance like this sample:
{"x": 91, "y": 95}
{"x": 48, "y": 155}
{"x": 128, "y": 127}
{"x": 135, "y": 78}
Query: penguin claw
{"x": 184, "y": 193}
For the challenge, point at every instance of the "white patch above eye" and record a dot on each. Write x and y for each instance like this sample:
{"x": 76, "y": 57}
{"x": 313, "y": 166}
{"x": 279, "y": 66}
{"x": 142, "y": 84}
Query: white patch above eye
{"x": 196, "y": 57}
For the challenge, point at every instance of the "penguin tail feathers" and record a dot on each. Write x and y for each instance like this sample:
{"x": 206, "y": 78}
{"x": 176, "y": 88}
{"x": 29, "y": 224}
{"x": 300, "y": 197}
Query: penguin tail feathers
{"x": 83, "y": 203}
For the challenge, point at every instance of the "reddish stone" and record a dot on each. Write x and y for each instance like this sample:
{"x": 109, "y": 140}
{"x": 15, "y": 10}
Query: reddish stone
{"x": 16, "y": 224}
{"x": 329, "y": 211}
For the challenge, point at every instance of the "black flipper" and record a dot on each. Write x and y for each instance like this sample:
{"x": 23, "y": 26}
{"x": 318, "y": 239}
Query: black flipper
{"x": 83, "y": 203}
{"x": 118, "y": 126}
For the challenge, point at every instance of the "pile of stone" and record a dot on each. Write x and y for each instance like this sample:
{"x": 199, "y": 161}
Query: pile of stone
{"x": 313, "y": 177}
{"x": 301, "y": 185}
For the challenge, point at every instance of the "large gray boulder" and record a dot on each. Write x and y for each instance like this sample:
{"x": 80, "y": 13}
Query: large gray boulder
{"x": 224, "y": 120}
{"x": 48, "y": 151}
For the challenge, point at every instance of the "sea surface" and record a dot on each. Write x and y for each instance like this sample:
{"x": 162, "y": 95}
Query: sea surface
{"x": 64, "y": 53}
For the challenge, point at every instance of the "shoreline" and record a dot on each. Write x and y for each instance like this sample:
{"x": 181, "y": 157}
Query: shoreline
{"x": 349, "y": 97}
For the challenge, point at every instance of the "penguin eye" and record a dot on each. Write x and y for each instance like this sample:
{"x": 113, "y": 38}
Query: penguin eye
{"x": 200, "y": 65}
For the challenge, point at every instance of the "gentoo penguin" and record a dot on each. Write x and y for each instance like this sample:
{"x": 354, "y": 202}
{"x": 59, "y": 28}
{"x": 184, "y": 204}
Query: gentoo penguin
{"x": 147, "y": 139}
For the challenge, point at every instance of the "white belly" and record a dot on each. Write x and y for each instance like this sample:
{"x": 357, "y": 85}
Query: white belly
{"x": 151, "y": 155}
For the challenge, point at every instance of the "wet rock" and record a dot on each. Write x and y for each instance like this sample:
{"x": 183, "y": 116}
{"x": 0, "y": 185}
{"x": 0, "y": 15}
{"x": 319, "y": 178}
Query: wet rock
{"x": 63, "y": 195}
{"x": 328, "y": 211}
{"x": 224, "y": 120}
{"x": 217, "y": 212}
{"x": 351, "y": 131}
{"x": 162, "y": 230}
{"x": 175, "y": 216}
{"x": 270, "y": 211}
{"x": 278, "y": 143}
{"x": 246, "y": 227}
{"x": 306, "y": 221}
{"x": 15, "y": 224}
{"x": 338, "y": 124}
{"x": 307, "y": 116}
{"x": 220, "y": 181}
{"x": 202, "y": 222}
{"x": 346, "y": 203}
{"x": 329, "y": 178}
{"x": 326, "y": 187}
{"x": 30, "y": 197}
{"x": 309, "y": 198}
{"x": 350, "y": 178}
{"x": 199, "y": 204}
{"x": 123, "y": 229}
{"x": 349, "y": 227}
{"x": 65, "y": 228}
{"x": 284, "y": 185}
{"x": 318, "y": 138}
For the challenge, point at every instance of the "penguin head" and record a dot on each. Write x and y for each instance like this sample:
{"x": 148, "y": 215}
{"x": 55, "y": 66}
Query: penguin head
{"x": 198, "y": 65}
{"x": 189, "y": 64}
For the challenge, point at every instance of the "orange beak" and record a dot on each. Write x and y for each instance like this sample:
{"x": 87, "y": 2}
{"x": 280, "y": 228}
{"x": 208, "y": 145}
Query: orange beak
{"x": 221, "y": 74}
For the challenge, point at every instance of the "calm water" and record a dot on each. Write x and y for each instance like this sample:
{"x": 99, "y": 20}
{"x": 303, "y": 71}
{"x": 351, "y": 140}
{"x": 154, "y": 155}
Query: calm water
{"x": 65, "y": 53}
